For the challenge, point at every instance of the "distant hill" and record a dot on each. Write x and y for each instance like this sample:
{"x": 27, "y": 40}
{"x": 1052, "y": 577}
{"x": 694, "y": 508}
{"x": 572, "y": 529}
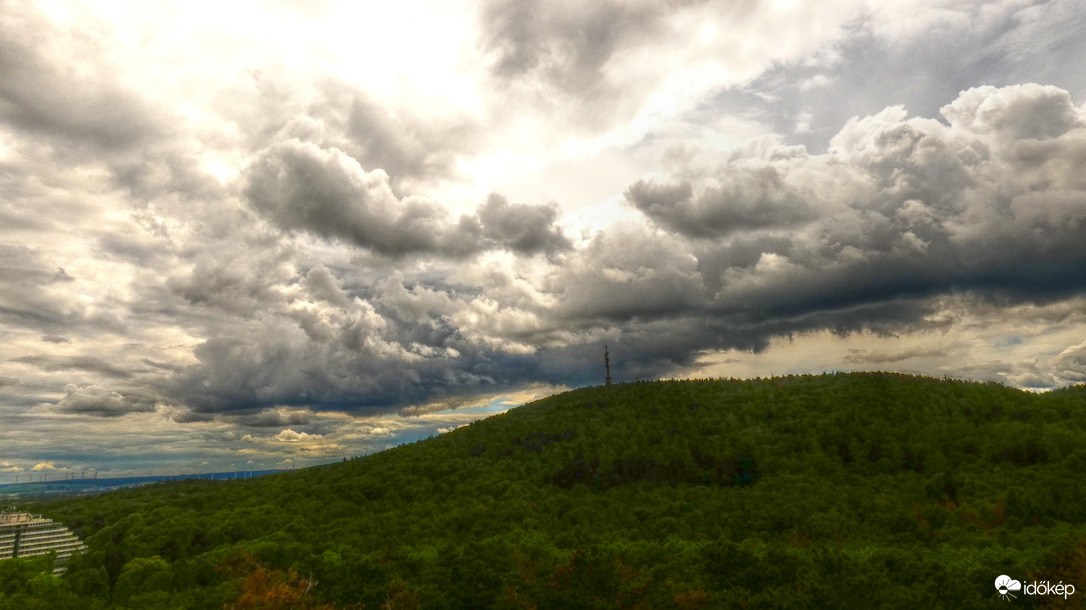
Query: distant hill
{"x": 834, "y": 491}
{"x": 89, "y": 485}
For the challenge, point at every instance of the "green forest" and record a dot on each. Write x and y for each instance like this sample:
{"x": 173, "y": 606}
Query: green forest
{"x": 860, "y": 490}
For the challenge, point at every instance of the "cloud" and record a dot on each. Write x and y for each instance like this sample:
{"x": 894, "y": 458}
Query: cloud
{"x": 1066, "y": 368}
{"x": 96, "y": 400}
{"x": 323, "y": 284}
{"x": 897, "y": 207}
{"x": 55, "y": 80}
{"x": 272, "y": 418}
{"x": 879, "y": 358}
{"x": 290, "y": 436}
{"x": 565, "y": 47}
{"x": 627, "y": 272}
{"x": 742, "y": 199}
{"x": 411, "y": 149}
{"x": 896, "y": 53}
{"x": 300, "y": 186}
{"x": 762, "y": 241}
{"x": 34, "y": 291}
{"x": 521, "y": 227}
{"x": 1017, "y": 112}
{"x": 611, "y": 70}
{"x": 83, "y": 363}
{"x": 44, "y": 466}
{"x": 302, "y": 445}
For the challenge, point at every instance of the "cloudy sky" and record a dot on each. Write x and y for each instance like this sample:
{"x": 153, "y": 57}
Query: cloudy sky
{"x": 250, "y": 234}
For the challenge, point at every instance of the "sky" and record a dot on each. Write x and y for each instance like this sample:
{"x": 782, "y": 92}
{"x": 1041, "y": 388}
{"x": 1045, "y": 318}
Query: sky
{"x": 273, "y": 234}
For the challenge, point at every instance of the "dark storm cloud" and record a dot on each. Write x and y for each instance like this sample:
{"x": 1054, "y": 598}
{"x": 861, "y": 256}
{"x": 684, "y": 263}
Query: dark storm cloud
{"x": 648, "y": 347}
{"x": 299, "y": 185}
{"x": 96, "y": 400}
{"x": 271, "y": 419}
{"x": 628, "y": 272}
{"x": 897, "y": 208}
{"x": 771, "y": 242}
{"x": 349, "y": 373}
{"x": 311, "y": 345}
{"x": 746, "y": 199}
{"x": 239, "y": 285}
{"x": 302, "y": 186}
{"x": 899, "y": 212}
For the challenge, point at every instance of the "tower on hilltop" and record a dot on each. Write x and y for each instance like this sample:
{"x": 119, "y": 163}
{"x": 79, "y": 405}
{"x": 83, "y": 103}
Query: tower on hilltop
{"x": 607, "y": 365}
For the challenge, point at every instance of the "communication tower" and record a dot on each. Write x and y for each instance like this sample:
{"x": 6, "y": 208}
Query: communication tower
{"x": 607, "y": 365}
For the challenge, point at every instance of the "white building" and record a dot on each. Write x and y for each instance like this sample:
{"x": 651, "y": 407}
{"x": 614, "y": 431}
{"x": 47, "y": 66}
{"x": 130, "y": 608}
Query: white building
{"x": 24, "y": 535}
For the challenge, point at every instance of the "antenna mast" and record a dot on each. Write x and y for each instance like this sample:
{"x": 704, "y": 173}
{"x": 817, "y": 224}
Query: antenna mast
{"x": 607, "y": 365}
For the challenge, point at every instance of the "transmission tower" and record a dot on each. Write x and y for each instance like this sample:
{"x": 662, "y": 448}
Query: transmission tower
{"x": 607, "y": 365}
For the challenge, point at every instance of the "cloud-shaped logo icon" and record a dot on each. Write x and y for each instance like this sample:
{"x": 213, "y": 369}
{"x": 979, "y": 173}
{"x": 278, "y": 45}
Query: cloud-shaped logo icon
{"x": 1005, "y": 584}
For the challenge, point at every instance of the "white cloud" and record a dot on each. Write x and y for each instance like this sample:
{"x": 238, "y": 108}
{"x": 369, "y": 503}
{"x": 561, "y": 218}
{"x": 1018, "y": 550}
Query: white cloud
{"x": 290, "y": 436}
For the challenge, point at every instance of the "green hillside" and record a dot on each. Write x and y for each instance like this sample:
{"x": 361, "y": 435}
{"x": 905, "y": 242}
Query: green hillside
{"x": 847, "y": 490}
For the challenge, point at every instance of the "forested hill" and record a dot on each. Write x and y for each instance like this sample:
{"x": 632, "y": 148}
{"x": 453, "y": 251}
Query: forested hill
{"x": 834, "y": 491}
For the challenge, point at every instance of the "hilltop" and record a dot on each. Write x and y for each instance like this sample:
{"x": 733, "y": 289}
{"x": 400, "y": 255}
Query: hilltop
{"x": 841, "y": 490}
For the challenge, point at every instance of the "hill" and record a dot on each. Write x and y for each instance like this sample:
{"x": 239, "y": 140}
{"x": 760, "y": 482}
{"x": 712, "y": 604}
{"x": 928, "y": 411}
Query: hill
{"x": 85, "y": 485}
{"x": 846, "y": 490}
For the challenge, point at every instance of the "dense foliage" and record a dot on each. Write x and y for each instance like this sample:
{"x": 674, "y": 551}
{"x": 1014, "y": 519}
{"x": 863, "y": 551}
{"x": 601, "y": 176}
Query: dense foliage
{"x": 847, "y": 490}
